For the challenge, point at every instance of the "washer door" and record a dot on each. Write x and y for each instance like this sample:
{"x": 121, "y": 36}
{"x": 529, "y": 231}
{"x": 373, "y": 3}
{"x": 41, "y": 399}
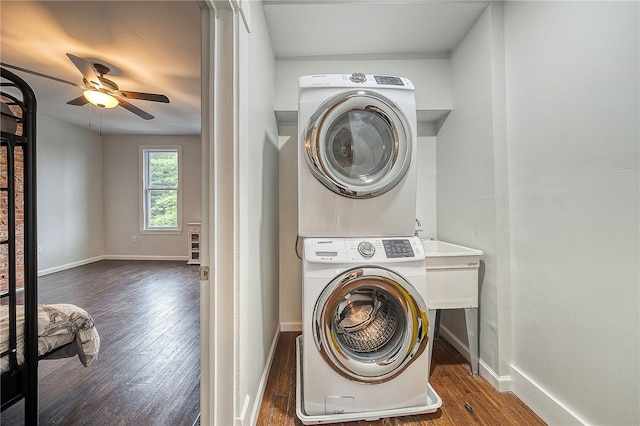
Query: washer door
{"x": 358, "y": 144}
{"x": 370, "y": 324}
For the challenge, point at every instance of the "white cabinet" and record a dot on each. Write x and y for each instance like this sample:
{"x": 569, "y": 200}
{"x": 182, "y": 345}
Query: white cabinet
{"x": 194, "y": 243}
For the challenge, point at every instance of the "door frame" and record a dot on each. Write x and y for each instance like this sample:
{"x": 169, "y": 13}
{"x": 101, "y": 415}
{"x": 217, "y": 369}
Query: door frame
{"x": 219, "y": 264}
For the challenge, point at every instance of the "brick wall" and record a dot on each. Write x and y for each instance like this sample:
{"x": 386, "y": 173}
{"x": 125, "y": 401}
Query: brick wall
{"x": 4, "y": 218}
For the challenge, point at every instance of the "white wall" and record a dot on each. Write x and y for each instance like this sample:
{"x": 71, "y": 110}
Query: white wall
{"x": 573, "y": 93}
{"x": 537, "y": 165}
{"x": 430, "y": 76}
{"x": 69, "y": 186}
{"x": 122, "y": 197}
{"x": 258, "y": 204}
{"x": 426, "y": 188}
{"x": 88, "y": 196}
{"x": 467, "y": 207}
{"x": 290, "y": 310}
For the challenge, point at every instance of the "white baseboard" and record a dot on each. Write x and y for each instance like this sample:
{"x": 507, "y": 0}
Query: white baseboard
{"x": 142, "y": 257}
{"x": 239, "y": 421}
{"x": 263, "y": 380}
{"x": 460, "y": 346}
{"x": 82, "y": 262}
{"x": 500, "y": 383}
{"x": 545, "y": 405}
{"x": 290, "y": 326}
{"x": 48, "y": 271}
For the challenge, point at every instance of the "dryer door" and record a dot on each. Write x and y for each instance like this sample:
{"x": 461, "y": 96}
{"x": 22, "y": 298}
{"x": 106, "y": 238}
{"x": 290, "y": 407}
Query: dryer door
{"x": 358, "y": 144}
{"x": 370, "y": 324}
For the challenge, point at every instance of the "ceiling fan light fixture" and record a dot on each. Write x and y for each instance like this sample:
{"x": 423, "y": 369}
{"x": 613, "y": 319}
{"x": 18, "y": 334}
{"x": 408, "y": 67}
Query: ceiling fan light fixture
{"x": 103, "y": 100}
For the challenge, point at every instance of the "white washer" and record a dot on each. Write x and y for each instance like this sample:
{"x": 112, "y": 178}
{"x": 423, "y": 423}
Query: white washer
{"x": 365, "y": 351}
{"x": 356, "y": 156}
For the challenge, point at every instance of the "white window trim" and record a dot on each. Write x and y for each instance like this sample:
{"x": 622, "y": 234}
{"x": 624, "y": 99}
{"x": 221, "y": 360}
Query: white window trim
{"x": 141, "y": 198}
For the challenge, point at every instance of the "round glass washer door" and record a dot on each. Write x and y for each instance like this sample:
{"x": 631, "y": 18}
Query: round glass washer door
{"x": 370, "y": 324}
{"x": 358, "y": 144}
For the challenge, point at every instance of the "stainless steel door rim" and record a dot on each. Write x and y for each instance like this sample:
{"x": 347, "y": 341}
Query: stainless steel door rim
{"x": 370, "y": 324}
{"x": 358, "y": 144}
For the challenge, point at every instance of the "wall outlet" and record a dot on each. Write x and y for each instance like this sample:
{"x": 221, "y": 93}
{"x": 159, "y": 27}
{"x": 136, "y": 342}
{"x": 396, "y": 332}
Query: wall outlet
{"x": 133, "y": 238}
{"x": 40, "y": 250}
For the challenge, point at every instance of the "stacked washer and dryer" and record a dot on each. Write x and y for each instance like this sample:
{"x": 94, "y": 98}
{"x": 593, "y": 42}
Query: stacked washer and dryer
{"x": 364, "y": 351}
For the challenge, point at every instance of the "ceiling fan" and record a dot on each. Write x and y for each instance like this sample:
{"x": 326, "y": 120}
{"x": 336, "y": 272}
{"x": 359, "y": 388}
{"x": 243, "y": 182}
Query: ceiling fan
{"x": 98, "y": 90}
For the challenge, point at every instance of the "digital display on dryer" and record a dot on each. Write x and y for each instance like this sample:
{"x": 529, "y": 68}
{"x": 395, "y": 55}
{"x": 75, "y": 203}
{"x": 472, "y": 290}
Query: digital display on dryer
{"x": 388, "y": 80}
{"x": 397, "y": 248}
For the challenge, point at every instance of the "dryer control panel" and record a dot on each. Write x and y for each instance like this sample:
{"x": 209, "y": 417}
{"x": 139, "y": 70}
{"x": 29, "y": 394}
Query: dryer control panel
{"x": 363, "y": 250}
{"x": 356, "y": 79}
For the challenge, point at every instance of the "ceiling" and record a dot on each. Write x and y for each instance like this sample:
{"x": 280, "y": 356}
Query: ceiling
{"x": 148, "y": 48}
{"x": 368, "y": 27}
{"x": 156, "y": 49}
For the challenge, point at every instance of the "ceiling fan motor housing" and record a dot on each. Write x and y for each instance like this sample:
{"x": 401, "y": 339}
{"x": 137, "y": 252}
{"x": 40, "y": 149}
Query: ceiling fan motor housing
{"x": 108, "y": 84}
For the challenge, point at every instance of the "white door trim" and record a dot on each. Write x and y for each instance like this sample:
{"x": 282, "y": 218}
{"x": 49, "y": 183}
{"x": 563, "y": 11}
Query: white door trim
{"x": 219, "y": 216}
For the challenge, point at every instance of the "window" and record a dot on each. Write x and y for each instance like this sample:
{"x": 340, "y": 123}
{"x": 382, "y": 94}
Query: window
{"x": 161, "y": 195}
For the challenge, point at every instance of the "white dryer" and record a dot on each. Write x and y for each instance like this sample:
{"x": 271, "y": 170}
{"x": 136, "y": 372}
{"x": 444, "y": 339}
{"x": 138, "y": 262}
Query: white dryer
{"x": 364, "y": 345}
{"x": 356, "y": 156}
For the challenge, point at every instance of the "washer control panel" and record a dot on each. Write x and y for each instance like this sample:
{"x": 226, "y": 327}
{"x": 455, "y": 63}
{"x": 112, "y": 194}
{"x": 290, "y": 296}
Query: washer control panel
{"x": 397, "y": 248}
{"x": 363, "y": 250}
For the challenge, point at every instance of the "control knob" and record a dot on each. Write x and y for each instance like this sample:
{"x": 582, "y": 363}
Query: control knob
{"x": 358, "y": 77}
{"x": 366, "y": 249}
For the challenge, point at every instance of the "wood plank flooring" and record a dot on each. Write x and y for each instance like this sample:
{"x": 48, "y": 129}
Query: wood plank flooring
{"x": 148, "y": 369}
{"x": 466, "y": 400}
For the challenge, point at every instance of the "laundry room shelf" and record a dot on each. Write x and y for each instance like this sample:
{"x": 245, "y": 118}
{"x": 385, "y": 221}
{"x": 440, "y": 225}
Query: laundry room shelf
{"x": 429, "y": 120}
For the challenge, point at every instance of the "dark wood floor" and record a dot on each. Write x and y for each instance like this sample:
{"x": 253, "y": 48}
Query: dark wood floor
{"x": 466, "y": 400}
{"x": 148, "y": 370}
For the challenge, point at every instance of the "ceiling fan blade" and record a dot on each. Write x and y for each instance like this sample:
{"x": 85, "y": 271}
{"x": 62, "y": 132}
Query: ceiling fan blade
{"x": 40, "y": 74}
{"x": 134, "y": 109}
{"x": 78, "y": 101}
{"x": 144, "y": 96}
{"x": 86, "y": 69}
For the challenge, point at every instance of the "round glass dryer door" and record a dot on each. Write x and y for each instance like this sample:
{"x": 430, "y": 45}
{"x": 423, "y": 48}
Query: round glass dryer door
{"x": 358, "y": 144}
{"x": 370, "y": 324}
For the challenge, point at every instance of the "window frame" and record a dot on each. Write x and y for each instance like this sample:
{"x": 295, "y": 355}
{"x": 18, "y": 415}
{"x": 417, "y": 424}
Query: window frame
{"x": 144, "y": 151}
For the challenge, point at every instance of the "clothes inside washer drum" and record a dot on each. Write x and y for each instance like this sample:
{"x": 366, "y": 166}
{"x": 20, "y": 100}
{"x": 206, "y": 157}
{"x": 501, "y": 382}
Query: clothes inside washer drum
{"x": 367, "y": 327}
